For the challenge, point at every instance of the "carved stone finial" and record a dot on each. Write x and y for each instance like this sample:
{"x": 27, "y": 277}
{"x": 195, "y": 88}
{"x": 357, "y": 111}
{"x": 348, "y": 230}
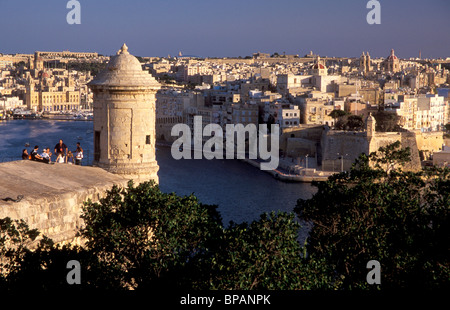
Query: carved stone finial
{"x": 123, "y": 50}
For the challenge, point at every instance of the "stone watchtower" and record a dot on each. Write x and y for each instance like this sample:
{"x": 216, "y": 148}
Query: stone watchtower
{"x": 370, "y": 124}
{"x": 124, "y": 118}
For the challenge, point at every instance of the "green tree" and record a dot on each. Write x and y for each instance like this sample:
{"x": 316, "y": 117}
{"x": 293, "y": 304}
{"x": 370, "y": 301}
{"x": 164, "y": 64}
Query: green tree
{"x": 146, "y": 238}
{"x": 29, "y": 263}
{"x": 86, "y": 66}
{"x": 141, "y": 238}
{"x": 265, "y": 254}
{"x": 378, "y": 211}
{"x": 337, "y": 114}
{"x": 15, "y": 238}
{"x": 349, "y": 122}
{"x": 387, "y": 121}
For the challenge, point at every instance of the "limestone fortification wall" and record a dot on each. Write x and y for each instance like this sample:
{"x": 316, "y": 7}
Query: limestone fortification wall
{"x": 407, "y": 139}
{"x": 430, "y": 141}
{"x": 348, "y": 144}
{"x": 352, "y": 144}
{"x": 52, "y": 195}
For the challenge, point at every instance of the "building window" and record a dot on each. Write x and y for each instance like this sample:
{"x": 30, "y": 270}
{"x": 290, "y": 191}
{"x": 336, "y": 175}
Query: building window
{"x": 147, "y": 139}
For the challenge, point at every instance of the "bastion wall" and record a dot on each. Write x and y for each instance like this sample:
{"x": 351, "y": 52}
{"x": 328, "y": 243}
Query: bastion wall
{"x": 53, "y": 195}
{"x": 341, "y": 148}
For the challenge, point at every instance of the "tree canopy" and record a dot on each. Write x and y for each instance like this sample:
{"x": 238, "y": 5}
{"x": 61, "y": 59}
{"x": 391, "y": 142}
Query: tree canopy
{"x": 387, "y": 121}
{"x": 337, "y": 113}
{"x": 377, "y": 211}
{"x": 349, "y": 122}
{"x": 141, "y": 238}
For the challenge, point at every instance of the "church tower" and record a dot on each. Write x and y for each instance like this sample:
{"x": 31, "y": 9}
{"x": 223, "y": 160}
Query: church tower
{"x": 38, "y": 62}
{"x": 364, "y": 63}
{"x": 124, "y": 118}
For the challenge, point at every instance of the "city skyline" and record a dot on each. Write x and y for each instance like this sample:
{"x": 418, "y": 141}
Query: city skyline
{"x": 205, "y": 29}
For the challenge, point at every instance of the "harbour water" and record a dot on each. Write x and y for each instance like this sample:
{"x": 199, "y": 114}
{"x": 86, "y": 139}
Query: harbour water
{"x": 242, "y": 192}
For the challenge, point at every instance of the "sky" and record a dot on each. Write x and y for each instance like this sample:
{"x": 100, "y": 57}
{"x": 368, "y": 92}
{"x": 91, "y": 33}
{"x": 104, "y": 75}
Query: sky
{"x": 228, "y": 28}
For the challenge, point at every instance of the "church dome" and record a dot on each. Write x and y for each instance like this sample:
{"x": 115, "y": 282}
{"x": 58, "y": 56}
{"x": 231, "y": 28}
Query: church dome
{"x": 318, "y": 66}
{"x": 124, "y": 70}
{"x": 392, "y": 56}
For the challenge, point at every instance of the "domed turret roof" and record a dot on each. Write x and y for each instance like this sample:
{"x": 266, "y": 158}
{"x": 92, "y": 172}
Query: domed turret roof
{"x": 370, "y": 118}
{"x": 124, "y": 70}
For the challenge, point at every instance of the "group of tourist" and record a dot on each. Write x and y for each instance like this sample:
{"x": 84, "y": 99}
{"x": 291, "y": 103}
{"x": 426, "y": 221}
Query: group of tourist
{"x": 62, "y": 153}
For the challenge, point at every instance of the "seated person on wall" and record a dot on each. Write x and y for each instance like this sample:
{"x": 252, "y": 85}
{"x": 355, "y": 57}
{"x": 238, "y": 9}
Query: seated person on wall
{"x": 69, "y": 158}
{"x": 46, "y": 156}
{"x": 35, "y": 156}
{"x": 25, "y": 154}
{"x": 61, "y": 159}
{"x": 78, "y": 154}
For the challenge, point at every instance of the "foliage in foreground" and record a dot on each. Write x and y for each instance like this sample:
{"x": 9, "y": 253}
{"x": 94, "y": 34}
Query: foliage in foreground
{"x": 377, "y": 211}
{"x": 141, "y": 238}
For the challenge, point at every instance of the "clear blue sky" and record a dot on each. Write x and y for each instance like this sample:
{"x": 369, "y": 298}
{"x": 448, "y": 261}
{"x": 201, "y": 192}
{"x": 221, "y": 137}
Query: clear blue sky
{"x": 228, "y": 27}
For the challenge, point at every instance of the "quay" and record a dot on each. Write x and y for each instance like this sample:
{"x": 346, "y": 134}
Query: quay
{"x": 304, "y": 175}
{"x": 283, "y": 172}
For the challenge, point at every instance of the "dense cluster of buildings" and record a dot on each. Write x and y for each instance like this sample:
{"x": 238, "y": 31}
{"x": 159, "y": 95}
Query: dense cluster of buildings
{"x": 300, "y": 94}
{"x": 42, "y": 83}
{"x": 291, "y": 91}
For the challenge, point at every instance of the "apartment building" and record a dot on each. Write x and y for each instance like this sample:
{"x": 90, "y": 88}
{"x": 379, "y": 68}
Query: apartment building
{"x": 432, "y": 109}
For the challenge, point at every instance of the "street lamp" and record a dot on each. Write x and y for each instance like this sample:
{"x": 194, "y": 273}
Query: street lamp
{"x": 342, "y": 160}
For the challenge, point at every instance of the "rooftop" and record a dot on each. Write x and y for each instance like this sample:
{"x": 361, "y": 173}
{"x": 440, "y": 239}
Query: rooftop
{"x": 124, "y": 70}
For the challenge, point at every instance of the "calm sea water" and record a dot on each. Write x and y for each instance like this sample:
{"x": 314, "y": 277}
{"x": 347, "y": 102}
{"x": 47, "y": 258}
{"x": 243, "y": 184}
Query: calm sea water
{"x": 242, "y": 192}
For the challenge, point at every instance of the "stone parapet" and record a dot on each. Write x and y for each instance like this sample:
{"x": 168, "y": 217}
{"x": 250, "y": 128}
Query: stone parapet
{"x": 53, "y": 195}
